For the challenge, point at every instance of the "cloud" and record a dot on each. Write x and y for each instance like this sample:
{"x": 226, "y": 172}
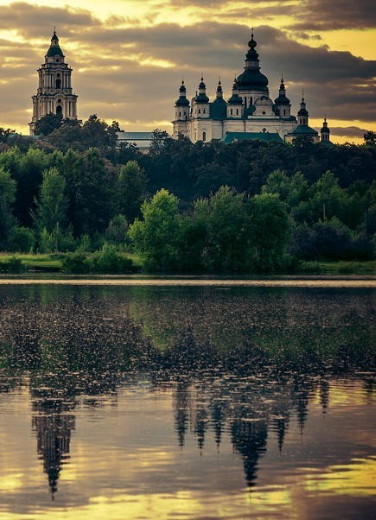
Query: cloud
{"x": 28, "y": 19}
{"x": 349, "y": 131}
{"x": 338, "y": 14}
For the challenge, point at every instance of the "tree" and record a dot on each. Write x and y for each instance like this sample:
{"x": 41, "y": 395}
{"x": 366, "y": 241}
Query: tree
{"x": 131, "y": 190}
{"x": 156, "y": 236}
{"x": 90, "y": 189}
{"x": 227, "y": 244}
{"x": 7, "y": 197}
{"x": 5, "y": 134}
{"x": 21, "y": 240}
{"x": 28, "y": 175}
{"x": 48, "y": 123}
{"x": 270, "y": 230}
{"x": 50, "y": 213}
{"x": 370, "y": 138}
{"x": 327, "y": 198}
{"x": 291, "y": 189}
{"x": 116, "y": 233}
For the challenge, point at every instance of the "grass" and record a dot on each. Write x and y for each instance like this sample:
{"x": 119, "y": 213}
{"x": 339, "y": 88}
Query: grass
{"x": 341, "y": 267}
{"x": 53, "y": 263}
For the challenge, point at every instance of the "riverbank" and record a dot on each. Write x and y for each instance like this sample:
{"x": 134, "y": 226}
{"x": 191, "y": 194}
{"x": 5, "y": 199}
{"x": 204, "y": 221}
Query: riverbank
{"x": 54, "y": 263}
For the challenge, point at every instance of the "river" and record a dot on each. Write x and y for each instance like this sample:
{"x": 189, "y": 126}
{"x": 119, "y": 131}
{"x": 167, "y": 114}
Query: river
{"x": 185, "y": 399}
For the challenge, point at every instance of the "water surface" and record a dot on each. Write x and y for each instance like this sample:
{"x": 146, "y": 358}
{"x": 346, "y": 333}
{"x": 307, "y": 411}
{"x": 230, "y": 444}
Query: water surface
{"x": 187, "y": 402}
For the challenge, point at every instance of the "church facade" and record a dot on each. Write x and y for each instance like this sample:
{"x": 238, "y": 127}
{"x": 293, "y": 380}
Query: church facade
{"x": 54, "y": 94}
{"x": 248, "y": 114}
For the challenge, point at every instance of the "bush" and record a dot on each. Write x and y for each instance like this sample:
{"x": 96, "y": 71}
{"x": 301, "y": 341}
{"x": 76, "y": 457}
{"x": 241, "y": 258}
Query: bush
{"x": 108, "y": 260}
{"x": 21, "y": 240}
{"x": 76, "y": 263}
{"x": 13, "y": 265}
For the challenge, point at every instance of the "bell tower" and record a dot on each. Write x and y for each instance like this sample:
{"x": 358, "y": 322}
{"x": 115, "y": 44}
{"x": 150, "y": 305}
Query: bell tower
{"x": 54, "y": 94}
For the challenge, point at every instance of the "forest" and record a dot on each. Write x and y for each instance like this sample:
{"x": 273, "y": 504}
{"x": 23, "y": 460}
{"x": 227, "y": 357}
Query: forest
{"x": 248, "y": 206}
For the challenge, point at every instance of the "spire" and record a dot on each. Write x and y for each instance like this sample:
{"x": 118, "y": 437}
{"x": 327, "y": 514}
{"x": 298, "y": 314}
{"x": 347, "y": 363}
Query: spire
{"x": 182, "y": 101}
{"x": 54, "y": 39}
{"x": 219, "y": 90}
{"x": 282, "y": 99}
{"x": 202, "y": 86}
{"x": 252, "y": 78}
{"x": 182, "y": 88}
{"x": 325, "y": 131}
{"x": 235, "y": 98}
{"x": 252, "y": 55}
{"x": 202, "y": 97}
{"x": 303, "y": 111}
{"x": 54, "y": 50}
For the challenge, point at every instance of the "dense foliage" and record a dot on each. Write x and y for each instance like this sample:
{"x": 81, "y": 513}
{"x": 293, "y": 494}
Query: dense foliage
{"x": 211, "y": 207}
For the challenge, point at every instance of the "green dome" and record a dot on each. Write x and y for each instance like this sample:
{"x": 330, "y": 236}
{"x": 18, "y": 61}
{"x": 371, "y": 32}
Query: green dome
{"x": 303, "y": 130}
{"x": 54, "y": 49}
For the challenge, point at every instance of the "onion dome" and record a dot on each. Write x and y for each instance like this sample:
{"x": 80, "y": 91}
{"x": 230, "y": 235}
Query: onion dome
{"x": 182, "y": 101}
{"x": 282, "y": 99}
{"x": 54, "y": 49}
{"x": 303, "y": 130}
{"x": 252, "y": 78}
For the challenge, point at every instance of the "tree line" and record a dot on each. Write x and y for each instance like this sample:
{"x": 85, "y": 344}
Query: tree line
{"x": 210, "y": 207}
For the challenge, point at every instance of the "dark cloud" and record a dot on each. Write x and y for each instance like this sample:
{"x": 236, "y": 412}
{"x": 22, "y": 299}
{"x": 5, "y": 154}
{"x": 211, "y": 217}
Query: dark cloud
{"x": 28, "y": 19}
{"x": 338, "y": 14}
{"x": 349, "y": 131}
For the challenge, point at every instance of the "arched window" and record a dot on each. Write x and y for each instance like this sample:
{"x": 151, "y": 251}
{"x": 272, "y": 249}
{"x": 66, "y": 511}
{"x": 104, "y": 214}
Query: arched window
{"x": 237, "y": 111}
{"x": 204, "y": 110}
{"x": 58, "y": 83}
{"x": 204, "y": 136}
{"x": 59, "y": 109}
{"x": 231, "y": 111}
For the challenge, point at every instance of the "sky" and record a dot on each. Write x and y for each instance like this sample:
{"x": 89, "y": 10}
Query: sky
{"x": 129, "y": 56}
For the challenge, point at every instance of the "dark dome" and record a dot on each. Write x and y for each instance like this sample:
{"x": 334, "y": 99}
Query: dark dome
{"x": 252, "y": 79}
{"x": 182, "y": 102}
{"x": 282, "y": 100}
{"x": 202, "y": 98}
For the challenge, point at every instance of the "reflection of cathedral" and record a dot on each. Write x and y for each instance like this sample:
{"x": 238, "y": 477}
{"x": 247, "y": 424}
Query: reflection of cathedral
{"x": 53, "y": 445}
{"x": 248, "y": 114}
{"x": 53, "y": 422}
{"x": 54, "y": 94}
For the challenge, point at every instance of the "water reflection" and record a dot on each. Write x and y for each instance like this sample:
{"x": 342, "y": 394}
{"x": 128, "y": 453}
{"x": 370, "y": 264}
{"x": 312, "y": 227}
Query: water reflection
{"x": 243, "y": 368}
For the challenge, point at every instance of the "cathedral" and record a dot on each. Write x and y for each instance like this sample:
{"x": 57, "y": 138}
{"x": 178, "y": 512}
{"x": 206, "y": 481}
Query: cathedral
{"x": 248, "y": 114}
{"x": 54, "y": 94}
